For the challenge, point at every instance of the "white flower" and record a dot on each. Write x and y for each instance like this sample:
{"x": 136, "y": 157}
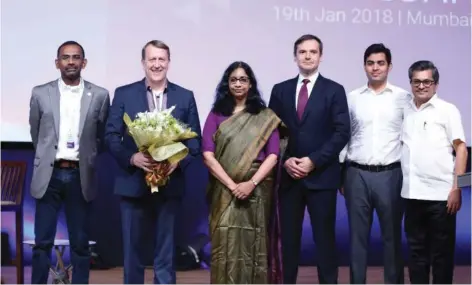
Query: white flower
{"x": 159, "y": 124}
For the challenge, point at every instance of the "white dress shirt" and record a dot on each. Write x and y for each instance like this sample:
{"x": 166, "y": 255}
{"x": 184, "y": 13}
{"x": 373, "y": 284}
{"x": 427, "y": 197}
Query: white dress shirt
{"x": 427, "y": 159}
{"x": 70, "y": 100}
{"x": 376, "y": 122}
{"x": 309, "y": 85}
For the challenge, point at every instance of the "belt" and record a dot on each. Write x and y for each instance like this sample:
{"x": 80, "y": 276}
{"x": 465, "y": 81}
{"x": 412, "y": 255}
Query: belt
{"x": 66, "y": 164}
{"x": 376, "y": 168}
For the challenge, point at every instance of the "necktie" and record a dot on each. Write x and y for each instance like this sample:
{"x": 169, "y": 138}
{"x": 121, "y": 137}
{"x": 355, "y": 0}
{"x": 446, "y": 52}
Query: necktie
{"x": 302, "y": 98}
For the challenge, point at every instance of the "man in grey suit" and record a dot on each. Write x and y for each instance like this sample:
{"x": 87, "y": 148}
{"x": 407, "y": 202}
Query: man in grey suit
{"x": 67, "y": 119}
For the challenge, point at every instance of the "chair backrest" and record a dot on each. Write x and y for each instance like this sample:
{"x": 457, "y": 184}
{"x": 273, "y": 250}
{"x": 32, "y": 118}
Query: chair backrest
{"x": 13, "y": 179}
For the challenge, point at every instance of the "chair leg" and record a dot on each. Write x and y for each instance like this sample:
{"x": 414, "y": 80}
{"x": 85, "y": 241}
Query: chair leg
{"x": 20, "y": 276}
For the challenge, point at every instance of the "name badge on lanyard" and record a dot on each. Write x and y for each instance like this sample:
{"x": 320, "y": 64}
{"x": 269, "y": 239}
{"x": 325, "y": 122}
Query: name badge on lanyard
{"x": 70, "y": 140}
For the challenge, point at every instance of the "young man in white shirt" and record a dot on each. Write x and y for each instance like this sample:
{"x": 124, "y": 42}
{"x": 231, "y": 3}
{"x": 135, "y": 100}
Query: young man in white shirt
{"x": 432, "y": 130}
{"x": 373, "y": 176}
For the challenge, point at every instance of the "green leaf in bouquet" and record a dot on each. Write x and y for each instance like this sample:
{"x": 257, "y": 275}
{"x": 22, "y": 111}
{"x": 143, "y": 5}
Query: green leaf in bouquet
{"x": 173, "y": 153}
{"x": 127, "y": 119}
{"x": 187, "y": 135}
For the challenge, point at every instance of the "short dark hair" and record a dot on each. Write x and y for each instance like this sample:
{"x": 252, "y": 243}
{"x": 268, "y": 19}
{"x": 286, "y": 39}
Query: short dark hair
{"x": 423, "y": 65}
{"x": 378, "y": 48}
{"x": 69, "y": 43}
{"x": 157, "y": 44}
{"x": 224, "y": 103}
{"x": 307, "y": 37}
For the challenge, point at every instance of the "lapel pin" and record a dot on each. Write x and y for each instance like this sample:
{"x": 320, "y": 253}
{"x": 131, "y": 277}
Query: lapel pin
{"x": 89, "y": 94}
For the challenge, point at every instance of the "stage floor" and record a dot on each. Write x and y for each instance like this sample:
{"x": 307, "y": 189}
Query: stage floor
{"x": 306, "y": 275}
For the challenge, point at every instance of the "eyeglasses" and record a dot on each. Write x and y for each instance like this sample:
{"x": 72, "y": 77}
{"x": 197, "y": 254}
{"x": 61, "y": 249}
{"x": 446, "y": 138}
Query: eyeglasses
{"x": 242, "y": 80}
{"x": 426, "y": 83}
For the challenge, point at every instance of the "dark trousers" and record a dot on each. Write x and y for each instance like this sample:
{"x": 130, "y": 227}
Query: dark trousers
{"x": 64, "y": 188}
{"x": 321, "y": 206}
{"x": 140, "y": 216}
{"x": 366, "y": 191}
{"x": 431, "y": 236}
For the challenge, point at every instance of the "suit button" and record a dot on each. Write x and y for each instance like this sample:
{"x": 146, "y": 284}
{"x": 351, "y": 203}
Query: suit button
{"x": 55, "y": 147}
{"x": 52, "y": 164}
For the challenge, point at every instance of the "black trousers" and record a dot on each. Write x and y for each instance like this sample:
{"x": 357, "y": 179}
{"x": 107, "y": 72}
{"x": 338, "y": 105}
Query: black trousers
{"x": 431, "y": 236}
{"x": 321, "y": 205}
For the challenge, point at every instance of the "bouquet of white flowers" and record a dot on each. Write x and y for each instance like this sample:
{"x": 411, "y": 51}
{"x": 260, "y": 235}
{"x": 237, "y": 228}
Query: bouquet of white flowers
{"x": 160, "y": 135}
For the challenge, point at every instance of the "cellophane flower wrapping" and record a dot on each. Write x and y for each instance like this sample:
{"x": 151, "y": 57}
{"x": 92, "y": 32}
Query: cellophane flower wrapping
{"x": 160, "y": 135}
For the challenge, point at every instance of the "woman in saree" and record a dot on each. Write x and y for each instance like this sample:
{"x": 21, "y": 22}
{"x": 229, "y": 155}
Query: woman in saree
{"x": 240, "y": 149}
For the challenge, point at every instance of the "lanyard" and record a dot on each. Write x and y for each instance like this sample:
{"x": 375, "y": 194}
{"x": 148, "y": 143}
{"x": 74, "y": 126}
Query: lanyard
{"x": 159, "y": 96}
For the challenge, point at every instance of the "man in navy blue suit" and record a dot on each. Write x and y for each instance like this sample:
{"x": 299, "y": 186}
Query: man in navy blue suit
{"x": 138, "y": 205}
{"x": 315, "y": 111}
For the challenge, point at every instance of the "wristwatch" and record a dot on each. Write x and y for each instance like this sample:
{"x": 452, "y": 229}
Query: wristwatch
{"x": 254, "y": 182}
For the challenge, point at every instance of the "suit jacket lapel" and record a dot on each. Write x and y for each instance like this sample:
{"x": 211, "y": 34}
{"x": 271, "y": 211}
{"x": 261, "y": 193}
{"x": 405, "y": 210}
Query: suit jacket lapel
{"x": 292, "y": 89}
{"x": 143, "y": 99}
{"x": 55, "y": 100}
{"x": 317, "y": 89}
{"x": 172, "y": 98}
{"x": 87, "y": 97}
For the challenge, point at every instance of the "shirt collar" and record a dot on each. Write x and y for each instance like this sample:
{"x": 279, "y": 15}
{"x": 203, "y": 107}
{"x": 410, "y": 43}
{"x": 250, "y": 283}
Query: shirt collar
{"x": 434, "y": 100}
{"x": 148, "y": 86}
{"x": 431, "y": 102}
{"x": 312, "y": 78}
{"x": 388, "y": 88}
{"x": 73, "y": 89}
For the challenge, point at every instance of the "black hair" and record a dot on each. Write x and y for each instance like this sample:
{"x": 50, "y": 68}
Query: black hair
{"x": 68, "y": 43}
{"x": 378, "y": 48}
{"x": 224, "y": 102}
{"x": 423, "y": 65}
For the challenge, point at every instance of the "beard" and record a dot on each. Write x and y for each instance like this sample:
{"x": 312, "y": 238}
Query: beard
{"x": 72, "y": 76}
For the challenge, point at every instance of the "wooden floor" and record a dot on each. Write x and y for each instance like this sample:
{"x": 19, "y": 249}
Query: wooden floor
{"x": 306, "y": 275}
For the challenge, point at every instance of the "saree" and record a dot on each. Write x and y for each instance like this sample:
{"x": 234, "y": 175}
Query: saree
{"x": 245, "y": 234}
